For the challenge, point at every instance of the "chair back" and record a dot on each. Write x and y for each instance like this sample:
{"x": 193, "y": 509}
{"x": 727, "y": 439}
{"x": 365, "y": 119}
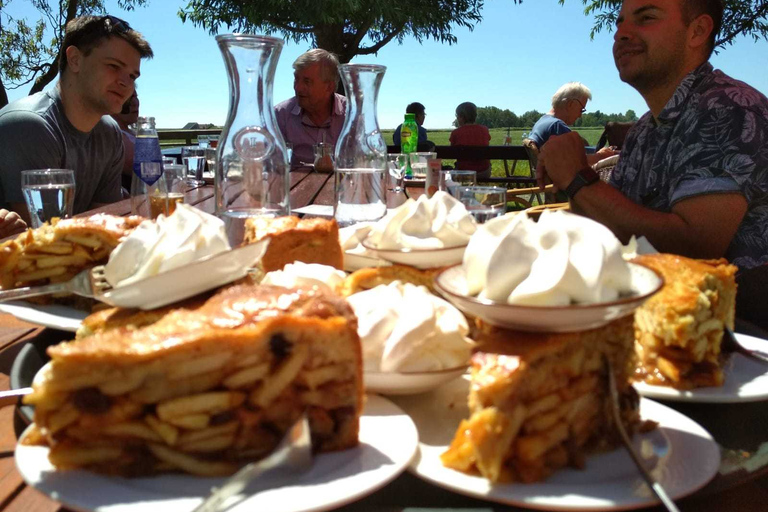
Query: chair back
{"x": 604, "y": 167}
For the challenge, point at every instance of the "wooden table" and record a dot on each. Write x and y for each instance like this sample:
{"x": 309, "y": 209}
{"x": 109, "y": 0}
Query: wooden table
{"x": 739, "y": 429}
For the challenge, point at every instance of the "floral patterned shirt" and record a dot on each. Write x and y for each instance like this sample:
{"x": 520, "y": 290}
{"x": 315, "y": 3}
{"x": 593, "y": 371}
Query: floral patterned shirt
{"x": 711, "y": 137}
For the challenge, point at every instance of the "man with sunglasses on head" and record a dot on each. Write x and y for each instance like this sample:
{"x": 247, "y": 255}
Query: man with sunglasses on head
{"x": 69, "y": 127}
{"x": 568, "y": 103}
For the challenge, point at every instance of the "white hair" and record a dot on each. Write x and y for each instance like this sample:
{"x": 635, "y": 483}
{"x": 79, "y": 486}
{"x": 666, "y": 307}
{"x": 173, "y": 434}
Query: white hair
{"x": 571, "y": 91}
{"x": 329, "y": 63}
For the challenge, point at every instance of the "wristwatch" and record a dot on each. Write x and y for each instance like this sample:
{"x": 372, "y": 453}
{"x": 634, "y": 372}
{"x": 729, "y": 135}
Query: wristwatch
{"x": 583, "y": 178}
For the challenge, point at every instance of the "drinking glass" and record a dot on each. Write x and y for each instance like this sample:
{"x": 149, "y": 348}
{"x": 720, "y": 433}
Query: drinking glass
{"x": 419, "y": 163}
{"x": 451, "y": 180}
{"x": 169, "y": 192}
{"x": 203, "y": 141}
{"x": 48, "y": 193}
{"x": 210, "y": 161}
{"x": 323, "y": 157}
{"x": 194, "y": 158}
{"x": 484, "y": 203}
{"x": 398, "y": 163}
{"x": 169, "y": 160}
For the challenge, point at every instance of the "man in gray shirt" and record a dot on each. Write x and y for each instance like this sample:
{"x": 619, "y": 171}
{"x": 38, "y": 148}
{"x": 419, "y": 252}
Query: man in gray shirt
{"x": 69, "y": 127}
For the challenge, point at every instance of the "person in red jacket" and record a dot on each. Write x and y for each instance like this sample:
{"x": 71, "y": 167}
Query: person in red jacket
{"x": 470, "y": 134}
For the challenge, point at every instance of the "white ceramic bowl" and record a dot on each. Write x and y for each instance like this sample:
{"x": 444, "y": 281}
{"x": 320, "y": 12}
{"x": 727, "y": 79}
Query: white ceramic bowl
{"x": 410, "y": 383}
{"x": 420, "y": 258}
{"x": 451, "y": 283}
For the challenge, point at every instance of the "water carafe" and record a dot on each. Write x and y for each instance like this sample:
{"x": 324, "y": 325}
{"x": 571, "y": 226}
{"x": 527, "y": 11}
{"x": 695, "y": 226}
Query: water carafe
{"x": 252, "y": 161}
{"x": 361, "y": 153}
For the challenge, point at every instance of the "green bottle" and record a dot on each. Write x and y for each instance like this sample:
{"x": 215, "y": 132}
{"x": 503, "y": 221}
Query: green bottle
{"x": 409, "y": 139}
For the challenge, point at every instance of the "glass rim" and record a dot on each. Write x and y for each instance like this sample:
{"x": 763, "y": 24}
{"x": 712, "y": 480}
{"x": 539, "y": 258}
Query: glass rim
{"x": 31, "y": 172}
{"x": 250, "y": 38}
{"x": 363, "y": 67}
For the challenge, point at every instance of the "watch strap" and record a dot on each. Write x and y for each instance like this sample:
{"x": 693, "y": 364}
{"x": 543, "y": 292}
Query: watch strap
{"x": 583, "y": 178}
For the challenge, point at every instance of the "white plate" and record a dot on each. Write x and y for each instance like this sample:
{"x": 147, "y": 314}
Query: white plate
{"x": 746, "y": 380}
{"x": 420, "y": 258}
{"x": 354, "y": 262}
{"x": 686, "y": 458}
{"x": 183, "y": 282}
{"x": 393, "y": 383}
{"x": 452, "y": 284}
{"x": 388, "y": 441}
{"x": 56, "y": 316}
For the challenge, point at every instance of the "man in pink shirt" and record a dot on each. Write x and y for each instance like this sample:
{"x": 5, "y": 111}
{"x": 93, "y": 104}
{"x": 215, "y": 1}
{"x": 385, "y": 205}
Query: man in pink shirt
{"x": 316, "y": 113}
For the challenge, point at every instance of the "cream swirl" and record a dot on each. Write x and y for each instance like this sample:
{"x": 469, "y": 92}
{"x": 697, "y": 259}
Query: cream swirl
{"x": 157, "y": 246}
{"x": 405, "y": 328}
{"x": 561, "y": 259}
{"x": 306, "y": 275}
{"x": 428, "y": 223}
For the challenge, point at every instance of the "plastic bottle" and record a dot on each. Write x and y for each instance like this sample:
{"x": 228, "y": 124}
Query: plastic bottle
{"x": 147, "y": 167}
{"x": 409, "y": 139}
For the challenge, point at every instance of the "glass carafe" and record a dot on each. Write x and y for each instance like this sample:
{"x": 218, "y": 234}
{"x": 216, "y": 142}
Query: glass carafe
{"x": 361, "y": 153}
{"x": 251, "y": 160}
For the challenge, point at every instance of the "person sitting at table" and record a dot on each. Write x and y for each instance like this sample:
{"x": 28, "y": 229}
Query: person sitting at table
{"x": 128, "y": 115}
{"x": 316, "y": 113}
{"x": 420, "y": 112}
{"x": 693, "y": 172}
{"x": 10, "y": 223}
{"x": 69, "y": 126}
{"x": 470, "y": 134}
{"x": 568, "y": 104}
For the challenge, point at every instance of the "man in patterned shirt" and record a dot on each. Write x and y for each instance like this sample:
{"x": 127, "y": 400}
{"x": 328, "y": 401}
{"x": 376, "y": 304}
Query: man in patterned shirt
{"x": 693, "y": 172}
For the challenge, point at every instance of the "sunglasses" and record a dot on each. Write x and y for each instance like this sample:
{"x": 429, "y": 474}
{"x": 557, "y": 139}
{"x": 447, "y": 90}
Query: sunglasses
{"x": 115, "y": 25}
{"x": 583, "y": 105}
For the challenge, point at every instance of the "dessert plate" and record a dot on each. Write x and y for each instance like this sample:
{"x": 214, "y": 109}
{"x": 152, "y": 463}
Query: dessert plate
{"x": 409, "y": 383}
{"x": 183, "y": 282}
{"x": 388, "y": 441}
{"x": 420, "y": 258}
{"x": 55, "y": 316}
{"x": 683, "y": 455}
{"x": 746, "y": 380}
{"x": 451, "y": 283}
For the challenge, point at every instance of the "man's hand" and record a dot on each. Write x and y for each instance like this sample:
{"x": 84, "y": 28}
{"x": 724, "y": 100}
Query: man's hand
{"x": 560, "y": 159}
{"x": 10, "y": 223}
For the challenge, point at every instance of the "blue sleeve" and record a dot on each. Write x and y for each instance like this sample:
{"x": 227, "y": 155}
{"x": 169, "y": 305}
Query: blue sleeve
{"x": 559, "y": 128}
{"x": 396, "y": 136}
{"x": 26, "y": 142}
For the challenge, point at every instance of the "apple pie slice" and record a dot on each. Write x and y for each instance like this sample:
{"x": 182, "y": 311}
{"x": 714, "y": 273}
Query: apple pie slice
{"x": 203, "y": 390}
{"x": 57, "y": 251}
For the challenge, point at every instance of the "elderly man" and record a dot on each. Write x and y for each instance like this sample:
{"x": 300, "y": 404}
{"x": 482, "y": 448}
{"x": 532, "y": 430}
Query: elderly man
{"x": 316, "y": 114}
{"x": 568, "y": 103}
{"x": 69, "y": 127}
{"x": 693, "y": 172}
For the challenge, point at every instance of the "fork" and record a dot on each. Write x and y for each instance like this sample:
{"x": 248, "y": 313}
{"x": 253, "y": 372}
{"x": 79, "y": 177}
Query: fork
{"x": 88, "y": 283}
{"x": 655, "y": 486}
{"x": 293, "y": 455}
{"x": 731, "y": 344}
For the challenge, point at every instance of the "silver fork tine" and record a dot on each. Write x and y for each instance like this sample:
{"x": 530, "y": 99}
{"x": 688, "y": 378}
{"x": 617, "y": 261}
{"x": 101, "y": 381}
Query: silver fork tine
{"x": 655, "y": 486}
{"x": 293, "y": 453}
{"x": 79, "y": 285}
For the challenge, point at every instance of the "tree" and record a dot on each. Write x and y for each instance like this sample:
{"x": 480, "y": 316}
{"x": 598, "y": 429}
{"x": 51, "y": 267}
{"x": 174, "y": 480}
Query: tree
{"x": 748, "y": 17}
{"x": 344, "y": 27}
{"x": 31, "y": 49}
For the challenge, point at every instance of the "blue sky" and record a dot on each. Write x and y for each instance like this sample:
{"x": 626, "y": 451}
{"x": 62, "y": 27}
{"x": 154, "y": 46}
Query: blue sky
{"x": 516, "y": 58}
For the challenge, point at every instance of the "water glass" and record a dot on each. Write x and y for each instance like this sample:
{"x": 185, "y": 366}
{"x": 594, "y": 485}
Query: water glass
{"x": 203, "y": 141}
{"x": 419, "y": 163}
{"x": 169, "y": 160}
{"x": 194, "y": 158}
{"x": 48, "y": 193}
{"x": 210, "y": 161}
{"x": 484, "y": 203}
{"x": 169, "y": 192}
{"x": 451, "y": 180}
{"x": 397, "y": 164}
{"x": 323, "y": 157}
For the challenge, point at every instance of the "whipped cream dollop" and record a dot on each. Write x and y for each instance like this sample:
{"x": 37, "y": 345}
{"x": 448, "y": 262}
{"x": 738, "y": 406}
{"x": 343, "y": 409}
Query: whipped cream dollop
{"x": 561, "y": 259}
{"x": 306, "y": 275}
{"x": 351, "y": 237}
{"x": 428, "y": 223}
{"x": 405, "y": 328}
{"x": 154, "y": 247}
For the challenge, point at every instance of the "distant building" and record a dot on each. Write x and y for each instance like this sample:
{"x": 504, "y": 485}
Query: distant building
{"x": 191, "y": 126}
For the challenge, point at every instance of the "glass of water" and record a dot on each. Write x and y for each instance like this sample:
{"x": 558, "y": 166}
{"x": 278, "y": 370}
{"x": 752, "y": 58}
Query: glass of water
{"x": 484, "y": 203}
{"x": 194, "y": 158}
{"x": 397, "y": 162}
{"x": 48, "y": 193}
{"x": 419, "y": 164}
{"x": 450, "y": 181}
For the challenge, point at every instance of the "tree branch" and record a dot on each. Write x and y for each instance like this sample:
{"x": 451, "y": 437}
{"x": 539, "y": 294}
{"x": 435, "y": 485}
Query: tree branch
{"x": 378, "y": 46}
{"x": 736, "y": 30}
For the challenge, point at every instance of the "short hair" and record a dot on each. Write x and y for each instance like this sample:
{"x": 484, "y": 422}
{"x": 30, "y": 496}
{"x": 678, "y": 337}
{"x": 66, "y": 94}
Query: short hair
{"x": 467, "y": 111}
{"x": 692, "y": 9}
{"x": 571, "y": 91}
{"x": 415, "y": 108}
{"x": 87, "y": 32}
{"x": 329, "y": 64}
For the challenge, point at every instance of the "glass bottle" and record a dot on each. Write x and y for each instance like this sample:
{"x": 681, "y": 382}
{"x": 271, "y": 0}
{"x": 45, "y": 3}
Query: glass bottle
{"x": 409, "y": 139}
{"x": 147, "y": 168}
{"x": 251, "y": 161}
{"x": 361, "y": 153}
